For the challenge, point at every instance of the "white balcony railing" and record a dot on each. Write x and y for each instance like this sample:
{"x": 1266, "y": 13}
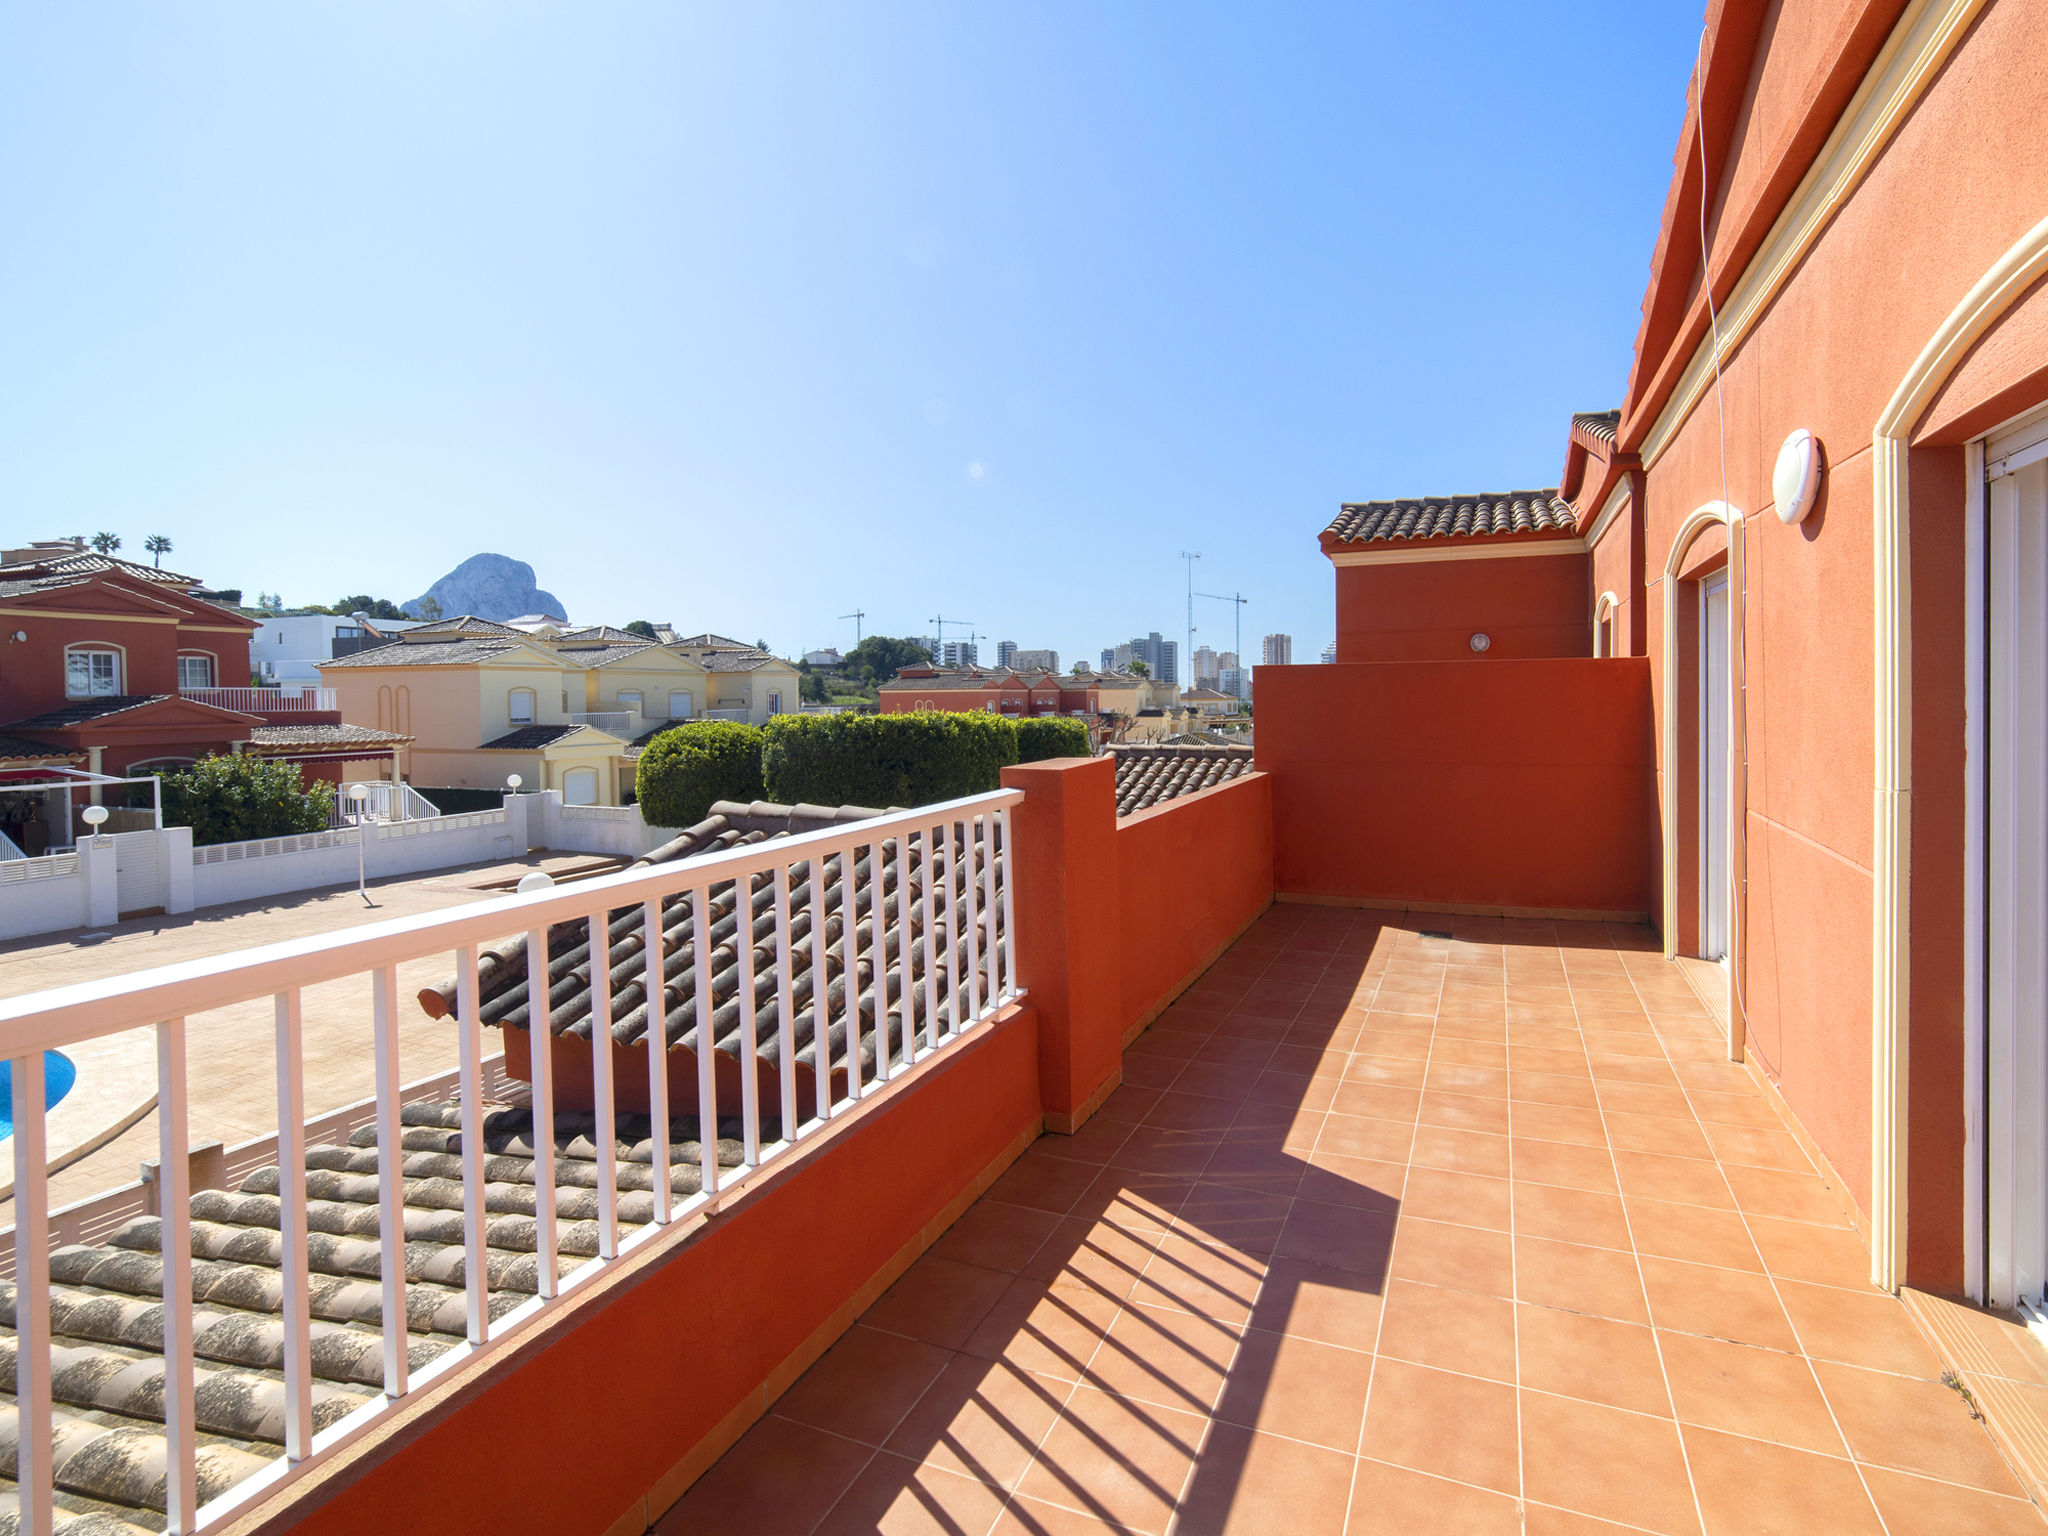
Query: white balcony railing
{"x": 620, "y": 722}
{"x": 307, "y": 696}
{"x": 902, "y": 987}
{"x": 727, "y": 714}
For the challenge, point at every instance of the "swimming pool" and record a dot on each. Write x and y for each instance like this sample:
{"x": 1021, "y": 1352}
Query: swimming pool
{"x": 58, "y": 1076}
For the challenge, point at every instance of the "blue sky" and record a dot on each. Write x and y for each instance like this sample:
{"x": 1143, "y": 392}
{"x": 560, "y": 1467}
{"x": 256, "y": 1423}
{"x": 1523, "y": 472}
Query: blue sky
{"x": 744, "y": 317}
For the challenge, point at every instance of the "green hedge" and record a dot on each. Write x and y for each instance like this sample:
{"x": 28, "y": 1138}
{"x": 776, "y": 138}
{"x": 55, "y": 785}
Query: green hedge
{"x": 683, "y": 770}
{"x": 882, "y": 760}
{"x": 229, "y": 799}
{"x": 1051, "y": 737}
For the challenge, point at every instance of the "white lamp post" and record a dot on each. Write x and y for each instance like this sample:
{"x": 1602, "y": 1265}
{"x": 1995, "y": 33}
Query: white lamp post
{"x": 358, "y": 799}
{"x": 94, "y": 816}
{"x": 512, "y": 783}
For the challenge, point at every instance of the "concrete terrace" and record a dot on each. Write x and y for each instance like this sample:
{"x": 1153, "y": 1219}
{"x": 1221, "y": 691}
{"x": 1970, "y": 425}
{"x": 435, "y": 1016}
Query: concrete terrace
{"x": 1392, "y": 1233}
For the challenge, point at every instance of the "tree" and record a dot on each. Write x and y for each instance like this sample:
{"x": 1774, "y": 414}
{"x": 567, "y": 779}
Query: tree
{"x": 106, "y": 543}
{"x": 229, "y": 799}
{"x": 158, "y": 546}
{"x": 428, "y": 608}
{"x": 879, "y": 658}
{"x": 375, "y": 607}
{"x": 643, "y": 629}
{"x": 1139, "y": 669}
{"x": 810, "y": 687}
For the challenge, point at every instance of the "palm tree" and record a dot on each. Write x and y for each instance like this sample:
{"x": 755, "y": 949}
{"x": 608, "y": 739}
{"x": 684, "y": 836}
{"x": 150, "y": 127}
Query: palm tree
{"x": 158, "y": 546}
{"x": 106, "y": 543}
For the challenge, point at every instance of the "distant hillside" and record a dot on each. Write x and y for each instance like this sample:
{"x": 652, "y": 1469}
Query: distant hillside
{"x": 491, "y": 587}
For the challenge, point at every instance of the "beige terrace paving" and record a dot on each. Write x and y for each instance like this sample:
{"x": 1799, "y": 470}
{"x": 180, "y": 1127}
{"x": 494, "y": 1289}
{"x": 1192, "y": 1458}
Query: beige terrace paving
{"x": 231, "y": 1067}
{"x": 1391, "y": 1234}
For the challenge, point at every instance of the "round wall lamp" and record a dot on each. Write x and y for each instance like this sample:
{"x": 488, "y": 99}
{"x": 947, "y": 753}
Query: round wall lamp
{"x": 1480, "y": 642}
{"x": 20, "y": 635}
{"x": 1795, "y": 483}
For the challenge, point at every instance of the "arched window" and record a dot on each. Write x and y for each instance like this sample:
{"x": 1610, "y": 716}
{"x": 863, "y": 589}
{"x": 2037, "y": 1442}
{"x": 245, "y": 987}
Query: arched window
{"x": 519, "y": 706}
{"x": 195, "y": 670}
{"x": 1606, "y": 612}
{"x": 92, "y": 672}
{"x": 774, "y": 701}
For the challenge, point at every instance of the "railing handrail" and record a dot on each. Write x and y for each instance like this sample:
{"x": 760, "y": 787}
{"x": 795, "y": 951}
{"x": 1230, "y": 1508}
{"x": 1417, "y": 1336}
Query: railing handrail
{"x": 303, "y": 696}
{"x": 86, "y": 1010}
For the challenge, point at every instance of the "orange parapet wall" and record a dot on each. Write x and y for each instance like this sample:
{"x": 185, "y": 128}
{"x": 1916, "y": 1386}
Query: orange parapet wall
{"x": 1537, "y": 606}
{"x": 1494, "y": 784}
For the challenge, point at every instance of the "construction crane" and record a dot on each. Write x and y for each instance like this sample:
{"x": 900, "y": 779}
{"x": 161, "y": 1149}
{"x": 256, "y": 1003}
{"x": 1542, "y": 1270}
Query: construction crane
{"x": 939, "y": 639}
{"x": 1188, "y": 657}
{"x": 1237, "y": 630}
{"x": 857, "y": 615}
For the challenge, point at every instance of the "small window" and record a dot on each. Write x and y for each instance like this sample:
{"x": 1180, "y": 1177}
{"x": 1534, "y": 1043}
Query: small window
{"x": 579, "y": 786}
{"x": 680, "y": 705}
{"x": 92, "y": 674}
{"x": 194, "y": 672}
{"x": 631, "y": 698}
{"x": 522, "y": 706}
{"x": 774, "y": 702}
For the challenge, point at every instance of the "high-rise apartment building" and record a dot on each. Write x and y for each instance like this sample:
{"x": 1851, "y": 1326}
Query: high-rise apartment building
{"x": 1235, "y": 681}
{"x": 1205, "y": 667}
{"x": 1035, "y": 661}
{"x": 1226, "y": 659}
{"x": 1330, "y": 652}
{"x": 962, "y": 653}
{"x": 1278, "y": 651}
{"x": 1161, "y": 657}
{"x": 1006, "y": 653}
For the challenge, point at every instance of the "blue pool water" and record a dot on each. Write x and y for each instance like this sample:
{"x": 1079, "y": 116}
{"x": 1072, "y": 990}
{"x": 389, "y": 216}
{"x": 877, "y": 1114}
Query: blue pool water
{"x": 58, "y": 1076}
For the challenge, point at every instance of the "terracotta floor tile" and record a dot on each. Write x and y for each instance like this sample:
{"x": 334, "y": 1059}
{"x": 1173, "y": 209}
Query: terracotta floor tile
{"x": 1460, "y": 1151}
{"x": 1044, "y": 1183}
{"x": 1435, "y": 1194}
{"x": 1575, "y": 1278}
{"x": 1631, "y": 1069}
{"x": 1357, "y": 1136}
{"x": 1451, "y": 1426}
{"x": 1138, "y": 1202}
{"x": 1121, "y": 1462}
{"x": 1682, "y": 1179}
{"x": 1753, "y": 1485}
{"x": 1227, "y": 1216}
{"x": 1465, "y": 1112}
{"x": 1361, "y": 1183}
{"x": 1570, "y": 1215}
{"x": 982, "y": 1419}
{"x": 1250, "y": 1055}
{"x": 1466, "y": 1258}
{"x": 1257, "y": 1164}
{"x": 1386, "y": 1069}
{"x": 1160, "y": 1149}
{"x": 1214, "y": 1080}
{"x": 1621, "y": 1042}
{"x": 1596, "y": 1359}
{"x": 1160, "y": 1355}
{"x": 782, "y": 1476}
{"x": 1453, "y": 1330}
{"x": 1561, "y": 1163}
{"x": 1719, "y": 1303}
{"x": 1291, "y": 1088}
{"x": 1558, "y": 1122}
{"x": 863, "y": 1385}
{"x": 1758, "y": 1149}
{"x": 1310, "y": 1061}
{"x": 1486, "y": 1082}
{"x": 1452, "y": 1051}
{"x": 1800, "y": 1250}
{"x": 1376, "y": 1101}
{"x": 938, "y": 1300}
{"x": 1735, "y": 1109}
{"x": 996, "y": 1236}
{"x": 1338, "y": 1236}
{"x": 1543, "y": 1520}
{"x": 1912, "y": 1425}
{"x": 1778, "y": 1192}
{"x": 1694, "y": 1233}
{"x": 1928, "y": 1508}
{"x": 1760, "y": 1393}
{"x": 1183, "y": 1111}
{"x": 1656, "y": 1133}
{"x": 896, "y": 1497}
{"x": 1606, "y": 1463}
{"x": 1296, "y": 1387}
{"x": 1099, "y": 1257}
{"x": 1093, "y": 1142}
{"x": 1211, "y": 1281}
{"x": 1247, "y": 1484}
{"x": 1387, "y": 1499}
{"x": 1043, "y": 1331}
{"x": 1311, "y": 1301}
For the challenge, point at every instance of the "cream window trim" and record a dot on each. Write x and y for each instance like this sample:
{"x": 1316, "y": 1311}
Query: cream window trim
{"x": 1912, "y": 56}
{"x": 1609, "y": 510}
{"x": 1891, "y": 844}
{"x": 1603, "y": 609}
{"x": 1713, "y": 512}
{"x": 1457, "y": 552}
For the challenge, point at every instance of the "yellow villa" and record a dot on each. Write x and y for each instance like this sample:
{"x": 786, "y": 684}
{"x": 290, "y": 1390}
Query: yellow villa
{"x": 566, "y": 710}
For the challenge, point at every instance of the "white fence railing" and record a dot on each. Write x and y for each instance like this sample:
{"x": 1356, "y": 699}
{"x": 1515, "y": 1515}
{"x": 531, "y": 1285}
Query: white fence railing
{"x": 907, "y": 935}
{"x": 18, "y": 867}
{"x": 620, "y": 722}
{"x": 727, "y": 714}
{"x": 292, "y": 696}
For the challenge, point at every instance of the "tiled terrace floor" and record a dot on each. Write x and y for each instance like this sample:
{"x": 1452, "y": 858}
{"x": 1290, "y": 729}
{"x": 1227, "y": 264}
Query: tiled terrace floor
{"x": 1391, "y": 1234}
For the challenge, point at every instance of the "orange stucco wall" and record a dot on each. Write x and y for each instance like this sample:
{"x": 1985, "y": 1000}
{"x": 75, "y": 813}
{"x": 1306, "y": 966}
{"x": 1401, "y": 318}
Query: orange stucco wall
{"x": 1428, "y": 610}
{"x": 1832, "y": 348}
{"x": 1191, "y": 875}
{"x": 1522, "y": 784}
{"x": 564, "y": 1438}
